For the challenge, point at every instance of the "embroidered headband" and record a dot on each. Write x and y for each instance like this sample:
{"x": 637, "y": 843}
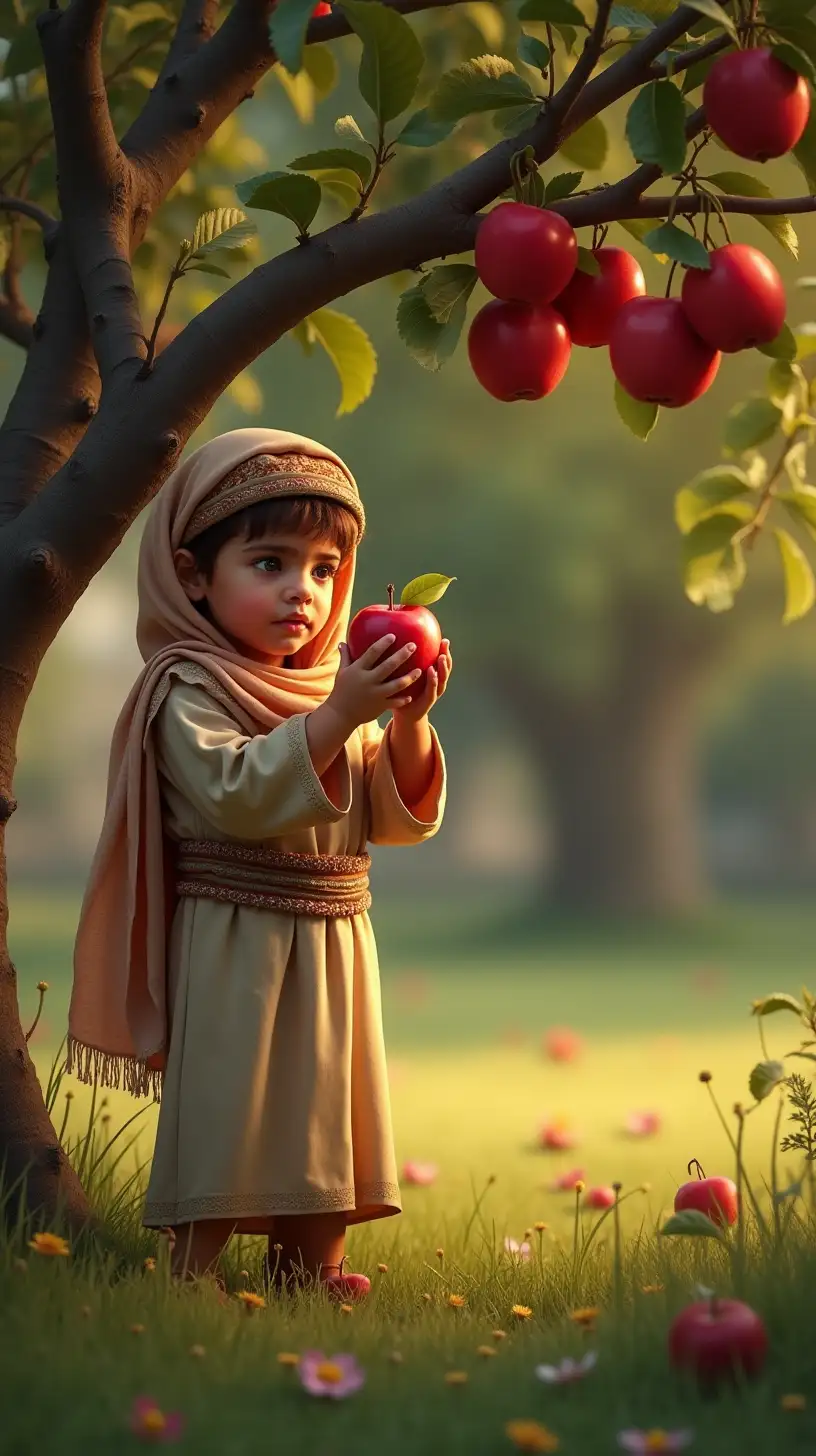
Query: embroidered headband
{"x": 264, "y": 476}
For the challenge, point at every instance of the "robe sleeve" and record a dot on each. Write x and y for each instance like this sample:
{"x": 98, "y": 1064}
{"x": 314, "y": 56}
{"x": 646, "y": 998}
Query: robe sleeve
{"x": 390, "y": 820}
{"x": 247, "y": 787}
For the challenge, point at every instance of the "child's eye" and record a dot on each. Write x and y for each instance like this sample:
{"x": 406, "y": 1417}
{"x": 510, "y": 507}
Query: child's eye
{"x": 262, "y": 560}
{"x": 330, "y": 570}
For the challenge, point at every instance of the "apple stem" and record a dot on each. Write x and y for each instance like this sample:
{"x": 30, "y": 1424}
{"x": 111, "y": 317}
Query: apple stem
{"x": 695, "y": 1163}
{"x": 390, "y": 590}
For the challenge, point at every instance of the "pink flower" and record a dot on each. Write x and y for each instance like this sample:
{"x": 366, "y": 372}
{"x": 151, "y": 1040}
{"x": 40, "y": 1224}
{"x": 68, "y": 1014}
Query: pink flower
{"x": 641, "y": 1442}
{"x": 335, "y": 1377}
{"x": 557, "y": 1136}
{"x": 151, "y": 1423}
{"x": 567, "y": 1181}
{"x": 513, "y": 1247}
{"x": 602, "y": 1197}
{"x": 562, "y": 1045}
{"x": 642, "y": 1124}
{"x": 567, "y": 1370}
{"x": 420, "y": 1174}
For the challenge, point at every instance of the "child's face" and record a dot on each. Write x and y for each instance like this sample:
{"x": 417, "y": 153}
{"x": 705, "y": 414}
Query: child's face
{"x": 257, "y": 585}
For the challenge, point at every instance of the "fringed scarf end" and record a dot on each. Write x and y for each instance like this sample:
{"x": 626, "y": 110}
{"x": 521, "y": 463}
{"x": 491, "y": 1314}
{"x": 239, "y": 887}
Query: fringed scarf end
{"x": 110, "y": 1069}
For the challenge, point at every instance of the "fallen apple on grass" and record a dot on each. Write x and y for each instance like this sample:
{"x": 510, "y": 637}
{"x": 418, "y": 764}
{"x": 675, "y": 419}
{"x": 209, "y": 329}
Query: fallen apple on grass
{"x": 717, "y": 1198}
{"x": 409, "y": 621}
{"x": 717, "y": 1338}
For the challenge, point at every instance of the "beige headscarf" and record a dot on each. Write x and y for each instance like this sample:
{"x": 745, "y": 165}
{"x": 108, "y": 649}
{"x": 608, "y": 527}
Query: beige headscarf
{"x": 117, "y": 1024}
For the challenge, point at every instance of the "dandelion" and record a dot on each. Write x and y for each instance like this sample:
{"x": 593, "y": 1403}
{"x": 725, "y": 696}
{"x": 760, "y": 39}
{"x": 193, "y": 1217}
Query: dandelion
{"x": 456, "y": 1377}
{"x": 456, "y": 1301}
{"x": 652, "y": 1288}
{"x": 567, "y": 1370}
{"x": 642, "y": 1442}
{"x": 137, "y": 1329}
{"x": 198, "y": 1352}
{"x": 540, "y": 1226}
{"x": 51, "y": 1245}
{"x": 793, "y": 1402}
{"x": 521, "y": 1312}
{"x": 523, "y": 1251}
{"x": 531, "y": 1436}
{"x": 42, "y": 986}
{"x": 499, "y": 1335}
{"x": 335, "y": 1378}
{"x": 149, "y": 1265}
{"x": 485, "y": 1351}
{"x": 288, "y": 1358}
{"x": 642, "y": 1124}
{"x": 250, "y": 1301}
{"x": 585, "y": 1317}
{"x": 568, "y": 1182}
{"x": 421, "y": 1175}
{"x": 151, "y": 1423}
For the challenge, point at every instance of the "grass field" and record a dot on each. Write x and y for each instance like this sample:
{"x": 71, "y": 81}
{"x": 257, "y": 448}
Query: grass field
{"x": 466, "y": 1004}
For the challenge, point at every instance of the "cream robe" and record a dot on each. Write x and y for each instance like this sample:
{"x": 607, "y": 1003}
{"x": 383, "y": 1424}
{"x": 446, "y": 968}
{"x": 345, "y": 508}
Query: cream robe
{"x": 275, "y": 1097}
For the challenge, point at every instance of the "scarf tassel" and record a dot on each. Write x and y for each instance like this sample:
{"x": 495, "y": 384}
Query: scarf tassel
{"x": 109, "y": 1069}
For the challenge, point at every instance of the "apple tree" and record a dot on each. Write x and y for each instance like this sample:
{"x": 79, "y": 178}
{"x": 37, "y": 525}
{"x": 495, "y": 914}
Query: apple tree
{"x": 110, "y": 119}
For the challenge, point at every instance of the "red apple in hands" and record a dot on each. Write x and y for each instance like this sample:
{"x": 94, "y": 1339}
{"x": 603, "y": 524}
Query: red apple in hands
{"x": 757, "y": 106}
{"x": 590, "y": 303}
{"x": 715, "y": 1337}
{"x": 518, "y": 350}
{"x": 525, "y": 253}
{"x": 410, "y": 621}
{"x": 717, "y": 1198}
{"x": 657, "y": 356}
{"x": 738, "y": 302}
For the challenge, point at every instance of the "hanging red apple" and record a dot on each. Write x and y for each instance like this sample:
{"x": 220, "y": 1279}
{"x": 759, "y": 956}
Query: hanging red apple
{"x": 755, "y": 104}
{"x": 410, "y": 621}
{"x": 657, "y": 356}
{"x": 717, "y": 1198}
{"x": 525, "y": 253}
{"x": 715, "y": 1338}
{"x": 736, "y": 304}
{"x": 518, "y": 350}
{"x": 590, "y": 302}
{"x": 321, "y": 8}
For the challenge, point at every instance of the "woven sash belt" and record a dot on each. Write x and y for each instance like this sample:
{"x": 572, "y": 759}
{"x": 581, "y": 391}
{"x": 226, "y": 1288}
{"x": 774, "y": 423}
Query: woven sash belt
{"x": 272, "y": 879}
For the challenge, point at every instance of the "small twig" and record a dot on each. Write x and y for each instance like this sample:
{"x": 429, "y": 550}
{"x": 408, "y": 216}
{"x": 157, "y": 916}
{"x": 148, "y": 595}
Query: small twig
{"x": 551, "y": 68}
{"x": 42, "y": 987}
{"x": 37, "y": 214}
{"x": 176, "y": 272}
{"x": 383, "y": 154}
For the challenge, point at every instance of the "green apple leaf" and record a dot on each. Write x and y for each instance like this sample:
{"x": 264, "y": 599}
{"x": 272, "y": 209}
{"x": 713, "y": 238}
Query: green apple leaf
{"x": 804, "y": 152}
{"x": 290, "y": 194}
{"x": 622, "y": 17}
{"x": 346, "y": 126}
{"x": 24, "y": 54}
{"x": 288, "y": 24}
{"x": 587, "y": 146}
{"x": 751, "y": 423}
{"x": 207, "y": 268}
{"x": 782, "y": 347}
{"x": 707, "y": 493}
{"x": 792, "y": 56}
{"x": 427, "y": 340}
{"x": 534, "y": 52}
{"x": 674, "y": 242}
{"x": 350, "y": 350}
{"x": 448, "y": 286}
{"x": 223, "y": 227}
{"x": 764, "y": 1077}
{"x": 779, "y": 1001}
{"x": 587, "y": 262}
{"x": 392, "y": 58}
{"x": 422, "y": 131}
{"x": 743, "y": 184}
{"x": 694, "y": 1223}
{"x": 555, "y": 12}
{"x": 424, "y": 590}
{"x": 331, "y": 158}
{"x": 715, "y": 12}
{"x": 639, "y": 417}
{"x": 488, "y": 83}
{"x": 800, "y": 587}
{"x": 562, "y": 186}
{"x": 713, "y": 564}
{"x": 656, "y": 126}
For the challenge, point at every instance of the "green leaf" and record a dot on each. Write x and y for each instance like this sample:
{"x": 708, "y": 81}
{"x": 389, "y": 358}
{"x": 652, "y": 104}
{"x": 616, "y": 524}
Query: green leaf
{"x": 341, "y": 184}
{"x": 750, "y": 423}
{"x": 623, "y": 18}
{"x": 424, "y": 590}
{"x": 422, "y": 131}
{"x": 427, "y": 340}
{"x": 488, "y": 20}
{"x": 779, "y": 1001}
{"x": 514, "y": 119}
{"x": 804, "y": 152}
{"x": 392, "y": 57}
{"x": 288, "y": 24}
{"x": 587, "y": 262}
{"x": 640, "y": 418}
{"x": 784, "y": 380}
{"x": 534, "y": 52}
{"x": 790, "y": 55}
{"x": 223, "y": 227}
{"x": 347, "y": 126}
{"x": 709, "y": 491}
{"x": 142, "y": 14}
{"x": 798, "y": 30}
{"x": 693, "y": 1223}
{"x": 656, "y": 126}
{"x": 782, "y": 347}
{"x": 714, "y": 566}
{"x": 562, "y": 186}
{"x": 793, "y": 1191}
{"x": 801, "y": 505}
{"x": 351, "y": 352}
{"x": 206, "y": 268}
{"x": 321, "y": 68}
{"x": 24, "y": 53}
{"x": 742, "y": 184}
{"x": 485, "y": 84}
{"x": 714, "y": 12}
{"x": 446, "y": 287}
{"x": 764, "y": 1077}
{"x": 332, "y": 157}
{"x": 556, "y": 12}
{"x": 675, "y": 243}
{"x": 587, "y": 147}
{"x": 800, "y": 587}
{"x": 290, "y": 194}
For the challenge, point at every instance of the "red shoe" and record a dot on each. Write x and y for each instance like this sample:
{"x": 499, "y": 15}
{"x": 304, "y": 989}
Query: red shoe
{"x": 345, "y": 1287}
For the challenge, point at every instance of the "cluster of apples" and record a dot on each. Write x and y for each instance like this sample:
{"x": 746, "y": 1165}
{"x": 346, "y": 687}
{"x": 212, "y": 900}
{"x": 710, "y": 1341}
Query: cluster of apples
{"x": 663, "y": 351}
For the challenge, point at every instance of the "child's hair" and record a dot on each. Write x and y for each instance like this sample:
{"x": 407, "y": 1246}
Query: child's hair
{"x": 307, "y": 515}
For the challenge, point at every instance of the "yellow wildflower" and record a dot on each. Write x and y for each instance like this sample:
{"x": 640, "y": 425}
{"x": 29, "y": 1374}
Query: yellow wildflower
{"x": 584, "y": 1316}
{"x": 531, "y": 1436}
{"x": 440, "y": 1254}
{"x": 456, "y": 1301}
{"x": 485, "y": 1350}
{"x": 149, "y": 1265}
{"x": 540, "y": 1226}
{"x": 287, "y": 1358}
{"x": 42, "y": 986}
{"x": 456, "y": 1377}
{"x": 521, "y": 1312}
{"x": 579, "y": 1185}
{"x": 250, "y": 1301}
{"x": 51, "y": 1245}
{"x": 793, "y": 1402}
{"x": 347, "y": 1309}
{"x": 653, "y": 1288}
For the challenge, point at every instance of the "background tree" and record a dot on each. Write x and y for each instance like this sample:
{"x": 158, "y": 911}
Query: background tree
{"x": 100, "y": 416}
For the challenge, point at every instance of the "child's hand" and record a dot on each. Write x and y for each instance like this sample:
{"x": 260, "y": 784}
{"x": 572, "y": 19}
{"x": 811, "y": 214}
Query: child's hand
{"x": 361, "y": 693}
{"x": 436, "y": 680}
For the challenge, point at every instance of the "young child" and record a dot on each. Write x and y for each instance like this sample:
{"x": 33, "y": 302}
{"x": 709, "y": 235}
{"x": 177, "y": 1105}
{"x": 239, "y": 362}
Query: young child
{"x": 224, "y": 951}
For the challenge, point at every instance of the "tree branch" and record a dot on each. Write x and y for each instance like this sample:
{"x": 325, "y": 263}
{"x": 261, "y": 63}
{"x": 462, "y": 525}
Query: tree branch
{"x": 37, "y": 214}
{"x": 16, "y": 325}
{"x": 94, "y": 180}
{"x": 684, "y": 63}
{"x": 194, "y": 29}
